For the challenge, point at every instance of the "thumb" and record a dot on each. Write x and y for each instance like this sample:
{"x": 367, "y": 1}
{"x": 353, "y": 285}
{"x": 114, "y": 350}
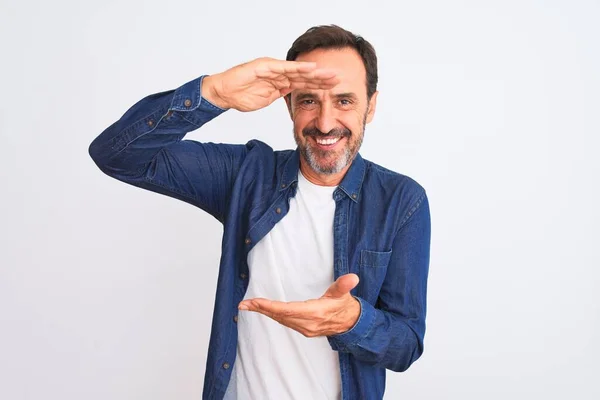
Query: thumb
{"x": 342, "y": 286}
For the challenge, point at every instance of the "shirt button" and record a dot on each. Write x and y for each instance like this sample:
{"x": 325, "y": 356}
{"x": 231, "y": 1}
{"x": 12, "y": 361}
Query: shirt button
{"x": 150, "y": 122}
{"x": 248, "y": 241}
{"x": 169, "y": 114}
{"x": 226, "y": 365}
{"x": 235, "y": 318}
{"x": 243, "y": 275}
{"x": 354, "y": 196}
{"x": 282, "y": 185}
{"x": 187, "y": 103}
{"x": 278, "y": 210}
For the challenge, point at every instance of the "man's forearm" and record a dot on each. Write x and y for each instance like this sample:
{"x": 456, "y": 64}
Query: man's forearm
{"x": 380, "y": 338}
{"x": 156, "y": 121}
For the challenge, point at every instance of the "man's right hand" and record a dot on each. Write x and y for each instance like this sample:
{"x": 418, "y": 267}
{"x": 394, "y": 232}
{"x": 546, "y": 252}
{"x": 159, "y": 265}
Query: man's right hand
{"x": 256, "y": 84}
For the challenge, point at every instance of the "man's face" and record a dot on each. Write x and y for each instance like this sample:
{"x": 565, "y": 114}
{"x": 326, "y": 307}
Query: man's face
{"x": 329, "y": 125}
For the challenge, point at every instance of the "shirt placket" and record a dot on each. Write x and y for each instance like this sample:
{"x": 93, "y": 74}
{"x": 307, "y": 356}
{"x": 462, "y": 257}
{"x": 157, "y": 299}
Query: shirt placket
{"x": 340, "y": 261}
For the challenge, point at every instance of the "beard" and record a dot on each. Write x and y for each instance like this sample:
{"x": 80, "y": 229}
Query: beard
{"x": 330, "y": 162}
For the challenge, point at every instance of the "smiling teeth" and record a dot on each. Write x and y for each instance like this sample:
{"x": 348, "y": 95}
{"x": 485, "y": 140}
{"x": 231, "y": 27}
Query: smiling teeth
{"x": 327, "y": 141}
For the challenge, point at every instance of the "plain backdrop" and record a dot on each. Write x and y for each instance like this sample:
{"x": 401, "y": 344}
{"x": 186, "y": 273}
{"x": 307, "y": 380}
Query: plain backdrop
{"x": 107, "y": 291}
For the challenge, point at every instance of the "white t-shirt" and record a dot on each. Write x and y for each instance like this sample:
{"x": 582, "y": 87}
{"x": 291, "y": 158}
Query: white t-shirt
{"x": 293, "y": 262}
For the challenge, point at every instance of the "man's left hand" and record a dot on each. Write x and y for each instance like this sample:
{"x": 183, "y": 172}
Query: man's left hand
{"x": 335, "y": 312}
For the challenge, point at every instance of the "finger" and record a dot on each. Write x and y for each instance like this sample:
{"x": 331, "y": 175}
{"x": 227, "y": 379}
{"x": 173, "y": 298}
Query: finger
{"x": 274, "y": 69}
{"x": 256, "y": 305}
{"x": 276, "y": 94}
{"x": 313, "y": 85}
{"x": 300, "y": 325}
{"x": 321, "y": 74}
{"x": 285, "y": 92}
{"x": 342, "y": 286}
{"x": 274, "y": 309}
{"x": 324, "y": 79}
{"x": 325, "y": 73}
{"x": 287, "y": 67}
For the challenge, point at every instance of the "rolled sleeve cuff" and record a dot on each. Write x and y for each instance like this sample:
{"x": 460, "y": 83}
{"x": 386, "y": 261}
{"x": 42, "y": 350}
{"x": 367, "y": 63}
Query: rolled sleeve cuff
{"x": 344, "y": 341}
{"x": 188, "y": 97}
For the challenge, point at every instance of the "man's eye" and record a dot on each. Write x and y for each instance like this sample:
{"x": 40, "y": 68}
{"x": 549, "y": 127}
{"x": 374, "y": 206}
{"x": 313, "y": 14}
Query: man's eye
{"x": 307, "y": 102}
{"x": 345, "y": 102}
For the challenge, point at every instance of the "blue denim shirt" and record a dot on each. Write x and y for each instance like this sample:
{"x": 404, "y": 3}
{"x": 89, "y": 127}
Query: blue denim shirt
{"x": 381, "y": 230}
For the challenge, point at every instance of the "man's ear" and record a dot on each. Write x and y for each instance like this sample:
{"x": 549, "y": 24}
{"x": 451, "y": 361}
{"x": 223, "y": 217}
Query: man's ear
{"x": 288, "y": 102}
{"x": 372, "y": 107}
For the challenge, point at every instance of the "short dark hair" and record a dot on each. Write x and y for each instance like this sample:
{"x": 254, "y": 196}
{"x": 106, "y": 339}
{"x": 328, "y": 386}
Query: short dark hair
{"x": 334, "y": 37}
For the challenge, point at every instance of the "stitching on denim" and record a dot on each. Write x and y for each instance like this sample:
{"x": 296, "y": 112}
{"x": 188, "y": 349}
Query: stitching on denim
{"x": 347, "y": 236}
{"x": 362, "y": 179}
{"x": 411, "y": 212}
{"x": 198, "y": 93}
{"x": 358, "y": 185}
{"x": 370, "y": 327}
{"x": 383, "y": 253}
{"x": 120, "y": 138}
{"x": 182, "y": 93}
{"x": 266, "y": 218}
{"x": 211, "y": 105}
{"x": 283, "y": 173}
{"x": 135, "y": 125}
{"x": 191, "y": 122}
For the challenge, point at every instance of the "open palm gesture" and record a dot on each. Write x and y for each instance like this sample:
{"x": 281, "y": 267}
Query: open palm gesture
{"x": 258, "y": 83}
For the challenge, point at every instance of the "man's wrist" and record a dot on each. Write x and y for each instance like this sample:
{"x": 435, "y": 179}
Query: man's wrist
{"x": 209, "y": 91}
{"x": 354, "y": 310}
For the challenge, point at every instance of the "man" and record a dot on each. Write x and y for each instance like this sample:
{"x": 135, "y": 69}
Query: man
{"x": 323, "y": 273}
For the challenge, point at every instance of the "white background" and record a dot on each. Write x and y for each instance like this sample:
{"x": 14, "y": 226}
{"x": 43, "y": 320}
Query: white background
{"x": 106, "y": 290}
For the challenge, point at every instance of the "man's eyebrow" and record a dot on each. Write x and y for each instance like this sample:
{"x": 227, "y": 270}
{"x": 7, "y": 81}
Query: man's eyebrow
{"x": 311, "y": 96}
{"x": 348, "y": 95}
{"x": 305, "y": 96}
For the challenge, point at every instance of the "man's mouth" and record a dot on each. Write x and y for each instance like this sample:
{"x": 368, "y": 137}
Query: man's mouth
{"x": 327, "y": 141}
{"x": 331, "y": 140}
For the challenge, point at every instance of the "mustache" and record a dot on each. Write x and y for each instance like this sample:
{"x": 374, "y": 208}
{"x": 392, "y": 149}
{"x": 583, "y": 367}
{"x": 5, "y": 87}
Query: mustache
{"x": 334, "y": 133}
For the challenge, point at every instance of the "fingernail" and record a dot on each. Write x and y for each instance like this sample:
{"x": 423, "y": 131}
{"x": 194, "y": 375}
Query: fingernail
{"x": 243, "y": 307}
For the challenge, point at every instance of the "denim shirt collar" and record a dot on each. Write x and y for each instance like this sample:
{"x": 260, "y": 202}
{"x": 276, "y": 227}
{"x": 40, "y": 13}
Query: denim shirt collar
{"x": 350, "y": 184}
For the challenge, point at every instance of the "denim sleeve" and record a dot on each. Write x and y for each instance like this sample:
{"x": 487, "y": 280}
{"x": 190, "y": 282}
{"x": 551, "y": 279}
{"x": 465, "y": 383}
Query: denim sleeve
{"x": 390, "y": 334}
{"x": 145, "y": 148}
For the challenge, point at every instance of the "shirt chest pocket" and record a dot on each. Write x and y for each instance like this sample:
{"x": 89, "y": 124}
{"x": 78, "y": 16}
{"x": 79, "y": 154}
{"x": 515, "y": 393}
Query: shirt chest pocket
{"x": 373, "y": 268}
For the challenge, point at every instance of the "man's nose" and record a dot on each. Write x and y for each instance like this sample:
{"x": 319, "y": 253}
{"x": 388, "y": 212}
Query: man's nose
{"x": 326, "y": 120}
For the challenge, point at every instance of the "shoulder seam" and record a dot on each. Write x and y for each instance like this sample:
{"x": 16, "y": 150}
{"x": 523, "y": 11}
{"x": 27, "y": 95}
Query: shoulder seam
{"x": 412, "y": 211}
